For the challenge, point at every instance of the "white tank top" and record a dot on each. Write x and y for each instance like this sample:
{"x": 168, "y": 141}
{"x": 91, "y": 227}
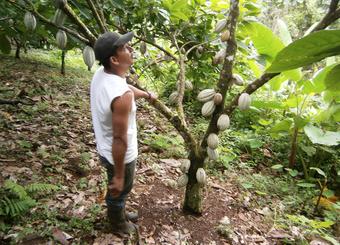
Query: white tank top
{"x": 105, "y": 88}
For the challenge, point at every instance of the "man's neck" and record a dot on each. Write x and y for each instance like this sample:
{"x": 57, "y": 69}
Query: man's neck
{"x": 116, "y": 72}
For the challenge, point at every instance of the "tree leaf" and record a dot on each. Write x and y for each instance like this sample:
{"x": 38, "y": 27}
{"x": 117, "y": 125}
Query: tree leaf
{"x": 319, "y": 78}
{"x": 318, "y": 136}
{"x": 283, "y": 125}
{"x": 283, "y": 32}
{"x": 332, "y": 80}
{"x": 277, "y": 167}
{"x": 5, "y": 45}
{"x": 307, "y": 50}
{"x": 319, "y": 171}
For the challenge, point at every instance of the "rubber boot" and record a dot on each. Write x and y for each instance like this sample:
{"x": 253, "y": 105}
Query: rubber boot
{"x": 119, "y": 224}
{"x": 132, "y": 216}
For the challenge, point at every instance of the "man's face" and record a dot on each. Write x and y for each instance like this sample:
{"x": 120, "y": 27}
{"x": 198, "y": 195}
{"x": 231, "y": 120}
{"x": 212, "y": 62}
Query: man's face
{"x": 124, "y": 55}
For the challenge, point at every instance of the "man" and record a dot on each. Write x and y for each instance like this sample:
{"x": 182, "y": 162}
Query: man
{"x": 114, "y": 120}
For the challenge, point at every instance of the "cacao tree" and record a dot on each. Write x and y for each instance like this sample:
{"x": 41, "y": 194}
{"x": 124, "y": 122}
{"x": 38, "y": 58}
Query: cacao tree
{"x": 190, "y": 34}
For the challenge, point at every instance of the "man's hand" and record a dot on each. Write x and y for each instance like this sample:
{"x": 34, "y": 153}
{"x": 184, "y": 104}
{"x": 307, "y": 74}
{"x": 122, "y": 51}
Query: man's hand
{"x": 152, "y": 96}
{"x": 116, "y": 187}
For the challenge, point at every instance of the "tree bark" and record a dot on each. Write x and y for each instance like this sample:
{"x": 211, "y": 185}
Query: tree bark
{"x": 17, "y": 51}
{"x": 63, "y": 53}
{"x": 293, "y": 150}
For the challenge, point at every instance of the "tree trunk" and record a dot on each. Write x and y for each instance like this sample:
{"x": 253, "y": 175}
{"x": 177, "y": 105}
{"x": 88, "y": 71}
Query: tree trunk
{"x": 194, "y": 191}
{"x": 17, "y": 52}
{"x": 63, "y": 62}
{"x": 293, "y": 150}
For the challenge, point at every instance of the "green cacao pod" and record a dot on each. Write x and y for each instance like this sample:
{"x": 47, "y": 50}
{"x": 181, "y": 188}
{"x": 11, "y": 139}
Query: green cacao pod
{"x": 219, "y": 57}
{"x": 142, "y": 47}
{"x": 60, "y": 3}
{"x": 185, "y": 165}
{"x": 244, "y": 101}
{"x": 59, "y": 17}
{"x": 182, "y": 180}
{"x": 208, "y": 108}
{"x": 218, "y": 98}
{"x": 206, "y": 95}
{"x": 88, "y": 56}
{"x": 238, "y": 80}
{"x": 213, "y": 141}
{"x": 201, "y": 176}
{"x": 173, "y": 97}
{"x": 223, "y": 122}
{"x": 220, "y": 25}
{"x": 225, "y": 36}
{"x": 212, "y": 154}
{"x": 30, "y": 21}
{"x": 61, "y": 39}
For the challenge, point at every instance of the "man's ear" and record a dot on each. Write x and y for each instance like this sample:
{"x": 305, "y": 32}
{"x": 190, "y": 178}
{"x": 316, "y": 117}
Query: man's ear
{"x": 114, "y": 60}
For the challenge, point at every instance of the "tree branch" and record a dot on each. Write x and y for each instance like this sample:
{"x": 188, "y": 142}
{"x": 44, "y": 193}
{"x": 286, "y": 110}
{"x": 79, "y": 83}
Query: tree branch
{"x": 332, "y": 15}
{"x": 157, "y": 46}
{"x": 96, "y": 15}
{"x": 226, "y": 73}
{"x": 45, "y": 20}
{"x": 101, "y": 14}
{"x": 76, "y": 20}
{"x": 14, "y": 102}
{"x": 175, "y": 120}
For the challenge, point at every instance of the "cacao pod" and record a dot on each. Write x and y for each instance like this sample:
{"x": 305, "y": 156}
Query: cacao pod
{"x": 218, "y": 98}
{"x": 185, "y": 165}
{"x": 142, "y": 47}
{"x": 59, "y": 17}
{"x": 206, "y": 95}
{"x": 61, "y": 39}
{"x": 244, "y": 101}
{"x": 208, "y": 108}
{"x": 212, "y": 154}
{"x": 173, "y": 97}
{"x": 213, "y": 141}
{"x": 225, "y": 36}
{"x": 220, "y": 25}
{"x": 30, "y": 21}
{"x": 201, "y": 176}
{"x": 223, "y": 122}
{"x": 182, "y": 181}
{"x": 88, "y": 56}
{"x": 60, "y": 3}
{"x": 238, "y": 80}
{"x": 219, "y": 57}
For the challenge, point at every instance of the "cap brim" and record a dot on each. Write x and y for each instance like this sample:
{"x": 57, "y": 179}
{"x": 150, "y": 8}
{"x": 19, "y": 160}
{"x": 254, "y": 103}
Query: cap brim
{"x": 123, "y": 39}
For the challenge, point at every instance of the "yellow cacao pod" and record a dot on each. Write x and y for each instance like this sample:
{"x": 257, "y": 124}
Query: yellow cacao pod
{"x": 225, "y": 36}
{"x": 223, "y": 122}
{"x": 173, "y": 97}
{"x": 61, "y": 39}
{"x": 206, "y": 95}
{"x": 220, "y": 25}
{"x": 30, "y": 21}
{"x": 88, "y": 56}
{"x": 238, "y": 80}
{"x": 208, "y": 108}
{"x": 212, "y": 154}
{"x": 185, "y": 165}
{"x": 244, "y": 101}
{"x": 201, "y": 176}
{"x": 59, "y": 17}
{"x": 218, "y": 98}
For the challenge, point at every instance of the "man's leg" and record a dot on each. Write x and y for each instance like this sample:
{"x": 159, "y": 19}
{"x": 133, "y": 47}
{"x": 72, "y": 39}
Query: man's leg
{"x": 116, "y": 205}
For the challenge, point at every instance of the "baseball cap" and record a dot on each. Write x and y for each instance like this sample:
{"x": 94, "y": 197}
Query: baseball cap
{"x": 106, "y": 44}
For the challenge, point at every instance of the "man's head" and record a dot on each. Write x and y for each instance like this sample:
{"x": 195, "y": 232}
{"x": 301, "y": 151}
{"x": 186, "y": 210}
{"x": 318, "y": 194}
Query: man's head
{"x": 112, "y": 50}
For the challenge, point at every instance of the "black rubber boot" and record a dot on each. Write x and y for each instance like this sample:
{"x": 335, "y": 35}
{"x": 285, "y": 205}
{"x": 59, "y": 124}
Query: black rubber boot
{"x": 132, "y": 216}
{"x": 118, "y": 222}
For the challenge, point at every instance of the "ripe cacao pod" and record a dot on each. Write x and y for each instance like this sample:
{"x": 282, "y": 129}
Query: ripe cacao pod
{"x": 188, "y": 85}
{"x": 61, "y": 39}
{"x": 244, "y": 101}
{"x": 238, "y": 80}
{"x": 208, "y": 108}
{"x": 218, "y": 98}
{"x": 201, "y": 176}
{"x": 60, "y": 3}
{"x": 213, "y": 141}
{"x": 185, "y": 165}
{"x": 219, "y": 57}
{"x": 206, "y": 95}
{"x": 30, "y": 21}
{"x": 212, "y": 153}
{"x": 182, "y": 180}
{"x": 220, "y": 25}
{"x": 142, "y": 47}
{"x": 225, "y": 36}
{"x": 223, "y": 122}
{"x": 173, "y": 97}
{"x": 59, "y": 17}
{"x": 88, "y": 56}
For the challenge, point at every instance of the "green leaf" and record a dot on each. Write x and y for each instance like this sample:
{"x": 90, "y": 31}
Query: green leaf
{"x": 275, "y": 82}
{"x": 300, "y": 122}
{"x": 306, "y": 185}
{"x": 332, "y": 80}
{"x": 307, "y": 50}
{"x": 283, "y": 125}
{"x": 247, "y": 185}
{"x": 319, "y": 78}
{"x": 283, "y": 32}
{"x": 264, "y": 122}
{"x": 328, "y": 193}
{"x": 321, "y": 224}
{"x": 294, "y": 75}
{"x": 309, "y": 150}
{"x": 262, "y": 36}
{"x": 269, "y": 104}
{"x": 319, "y": 171}
{"x": 5, "y": 45}
{"x": 318, "y": 136}
{"x": 277, "y": 167}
